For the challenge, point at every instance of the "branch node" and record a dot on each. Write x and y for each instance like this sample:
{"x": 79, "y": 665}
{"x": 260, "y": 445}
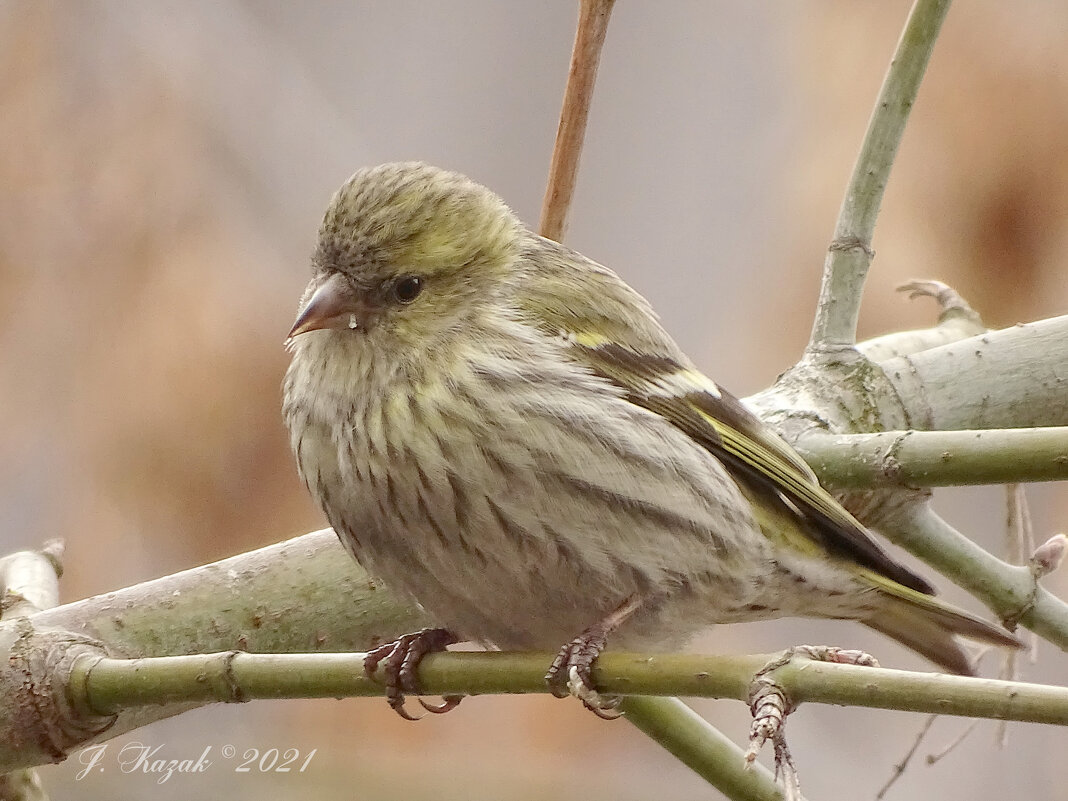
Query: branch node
{"x": 846, "y": 244}
{"x": 1046, "y": 558}
{"x": 46, "y": 710}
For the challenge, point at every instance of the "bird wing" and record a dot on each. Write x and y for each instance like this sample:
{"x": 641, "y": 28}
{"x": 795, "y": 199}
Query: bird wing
{"x": 632, "y": 351}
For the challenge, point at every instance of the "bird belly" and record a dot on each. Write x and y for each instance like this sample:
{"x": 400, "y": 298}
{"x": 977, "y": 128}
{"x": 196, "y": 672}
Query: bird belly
{"x": 518, "y": 510}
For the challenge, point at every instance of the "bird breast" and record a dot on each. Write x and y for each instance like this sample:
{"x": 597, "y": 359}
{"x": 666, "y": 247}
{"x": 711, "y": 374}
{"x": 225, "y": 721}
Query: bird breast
{"x": 516, "y": 497}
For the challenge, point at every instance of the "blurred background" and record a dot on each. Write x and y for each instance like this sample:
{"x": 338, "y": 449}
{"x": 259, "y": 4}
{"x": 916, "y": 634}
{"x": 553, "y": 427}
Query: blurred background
{"x": 163, "y": 169}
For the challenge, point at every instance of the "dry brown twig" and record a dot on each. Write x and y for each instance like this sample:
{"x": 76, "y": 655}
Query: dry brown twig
{"x": 902, "y": 766}
{"x": 563, "y": 170}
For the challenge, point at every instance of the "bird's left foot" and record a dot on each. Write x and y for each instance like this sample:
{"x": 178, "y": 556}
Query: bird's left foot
{"x": 400, "y": 660}
{"x": 770, "y": 706}
{"x": 571, "y": 671}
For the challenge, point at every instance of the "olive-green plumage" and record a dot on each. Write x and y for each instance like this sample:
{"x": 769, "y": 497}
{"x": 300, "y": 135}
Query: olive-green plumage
{"x": 501, "y": 429}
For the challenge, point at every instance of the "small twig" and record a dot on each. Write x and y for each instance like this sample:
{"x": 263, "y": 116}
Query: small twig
{"x": 563, "y": 171}
{"x": 1019, "y": 534}
{"x": 1010, "y": 671}
{"x": 932, "y": 758}
{"x": 957, "y": 320}
{"x": 849, "y": 255}
{"x": 899, "y": 769}
{"x": 902, "y": 766}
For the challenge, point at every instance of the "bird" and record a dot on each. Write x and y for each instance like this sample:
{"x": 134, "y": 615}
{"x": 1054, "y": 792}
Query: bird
{"x": 501, "y": 431}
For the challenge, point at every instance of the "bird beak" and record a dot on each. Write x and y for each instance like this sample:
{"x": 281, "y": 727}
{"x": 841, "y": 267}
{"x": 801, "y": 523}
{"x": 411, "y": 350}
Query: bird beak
{"x": 333, "y": 304}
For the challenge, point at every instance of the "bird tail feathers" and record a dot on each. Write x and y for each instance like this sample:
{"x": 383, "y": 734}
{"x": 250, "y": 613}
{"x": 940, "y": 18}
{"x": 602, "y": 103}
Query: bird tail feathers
{"x": 928, "y": 626}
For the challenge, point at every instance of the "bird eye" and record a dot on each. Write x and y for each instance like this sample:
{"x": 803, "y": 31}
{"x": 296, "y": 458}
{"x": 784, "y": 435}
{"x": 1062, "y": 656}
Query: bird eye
{"x": 408, "y": 288}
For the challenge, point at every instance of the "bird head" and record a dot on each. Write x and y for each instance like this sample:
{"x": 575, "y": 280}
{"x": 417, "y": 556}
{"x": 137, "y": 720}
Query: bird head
{"x": 407, "y": 250}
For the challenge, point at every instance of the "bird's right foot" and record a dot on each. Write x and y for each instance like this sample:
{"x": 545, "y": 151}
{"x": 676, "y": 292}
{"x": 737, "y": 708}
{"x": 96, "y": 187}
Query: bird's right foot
{"x": 400, "y": 659}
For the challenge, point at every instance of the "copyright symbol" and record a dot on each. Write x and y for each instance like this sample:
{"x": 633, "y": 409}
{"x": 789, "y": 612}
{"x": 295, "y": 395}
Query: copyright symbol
{"x": 228, "y": 751}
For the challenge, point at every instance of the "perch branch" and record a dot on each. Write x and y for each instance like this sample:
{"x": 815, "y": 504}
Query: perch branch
{"x": 103, "y": 685}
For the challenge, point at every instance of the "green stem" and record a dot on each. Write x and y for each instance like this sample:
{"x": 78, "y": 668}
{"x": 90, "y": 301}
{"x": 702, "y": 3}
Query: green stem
{"x": 1010, "y": 590}
{"x": 106, "y": 685}
{"x": 850, "y": 253}
{"x": 701, "y": 747}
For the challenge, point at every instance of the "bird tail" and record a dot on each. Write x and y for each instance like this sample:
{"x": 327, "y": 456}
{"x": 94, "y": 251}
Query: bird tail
{"x": 928, "y": 625}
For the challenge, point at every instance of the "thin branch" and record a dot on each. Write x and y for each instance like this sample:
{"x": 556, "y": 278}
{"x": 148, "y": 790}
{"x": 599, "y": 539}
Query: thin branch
{"x": 902, "y": 766}
{"x": 700, "y": 746}
{"x": 563, "y": 171}
{"x": 850, "y": 252}
{"x": 665, "y": 722}
{"x": 950, "y": 747}
{"x": 937, "y": 458}
{"x": 1019, "y": 548}
{"x": 1011, "y": 591}
{"x": 1019, "y": 545}
{"x": 105, "y": 685}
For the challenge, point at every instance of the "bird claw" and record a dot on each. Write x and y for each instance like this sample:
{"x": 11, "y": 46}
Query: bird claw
{"x": 571, "y": 673}
{"x": 400, "y": 660}
{"x": 606, "y": 707}
{"x": 770, "y": 706}
{"x": 448, "y": 703}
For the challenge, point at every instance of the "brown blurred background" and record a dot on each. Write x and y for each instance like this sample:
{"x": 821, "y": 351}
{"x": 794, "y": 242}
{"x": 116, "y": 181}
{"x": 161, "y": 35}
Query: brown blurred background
{"x": 163, "y": 170}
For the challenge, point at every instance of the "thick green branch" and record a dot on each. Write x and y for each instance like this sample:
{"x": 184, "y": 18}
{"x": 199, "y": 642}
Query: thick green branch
{"x": 937, "y": 458}
{"x": 304, "y": 594}
{"x": 850, "y": 253}
{"x": 1010, "y": 378}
